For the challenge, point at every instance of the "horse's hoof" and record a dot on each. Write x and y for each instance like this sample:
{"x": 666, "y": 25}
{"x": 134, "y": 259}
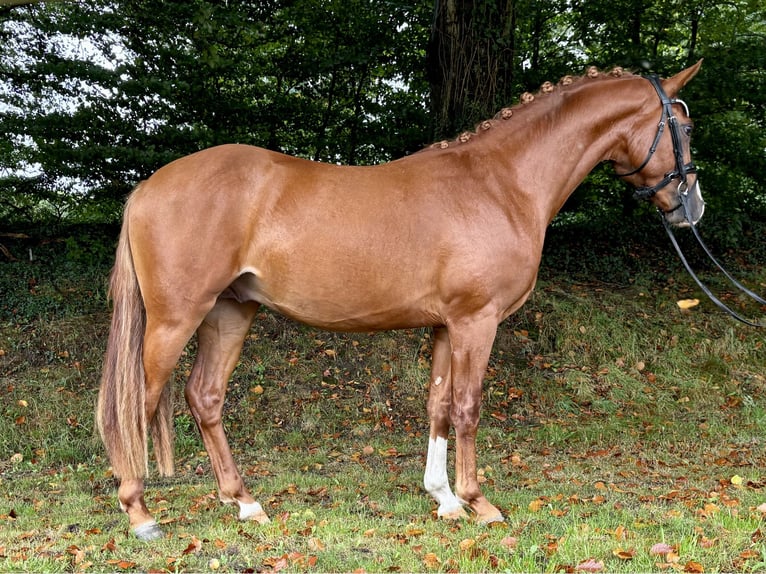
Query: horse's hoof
{"x": 458, "y": 513}
{"x": 252, "y": 511}
{"x": 148, "y": 531}
{"x": 492, "y": 519}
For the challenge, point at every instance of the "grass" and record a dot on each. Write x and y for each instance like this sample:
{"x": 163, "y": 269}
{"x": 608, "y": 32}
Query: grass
{"x": 612, "y": 422}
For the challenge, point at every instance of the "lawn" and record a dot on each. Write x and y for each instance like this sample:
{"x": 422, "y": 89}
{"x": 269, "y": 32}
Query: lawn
{"x": 619, "y": 433}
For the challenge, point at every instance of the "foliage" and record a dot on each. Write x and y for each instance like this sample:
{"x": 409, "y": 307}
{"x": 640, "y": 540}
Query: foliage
{"x": 57, "y": 278}
{"x": 98, "y": 95}
{"x": 119, "y": 89}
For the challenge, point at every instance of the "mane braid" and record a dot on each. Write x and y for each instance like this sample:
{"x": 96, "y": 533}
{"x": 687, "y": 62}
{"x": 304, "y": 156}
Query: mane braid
{"x": 526, "y": 99}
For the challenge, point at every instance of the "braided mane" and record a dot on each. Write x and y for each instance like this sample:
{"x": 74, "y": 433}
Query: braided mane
{"x": 527, "y": 98}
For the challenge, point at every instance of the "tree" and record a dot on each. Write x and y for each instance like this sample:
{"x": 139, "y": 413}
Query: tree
{"x": 107, "y": 92}
{"x": 97, "y": 95}
{"x": 471, "y": 60}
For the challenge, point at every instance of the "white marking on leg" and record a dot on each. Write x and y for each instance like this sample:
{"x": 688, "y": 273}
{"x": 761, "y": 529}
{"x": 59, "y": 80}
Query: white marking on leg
{"x": 252, "y": 510}
{"x": 438, "y": 381}
{"x": 436, "y": 481}
{"x": 148, "y": 531}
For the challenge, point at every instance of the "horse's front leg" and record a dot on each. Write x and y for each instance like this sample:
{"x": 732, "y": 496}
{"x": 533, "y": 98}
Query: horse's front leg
{"x": 220, "y": 339}
{"x": 471, "y": 345}
{"x": 436, "y": 479}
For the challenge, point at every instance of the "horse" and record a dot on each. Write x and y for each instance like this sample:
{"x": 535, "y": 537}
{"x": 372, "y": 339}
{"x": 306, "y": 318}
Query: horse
{"x": 448, "y": 238}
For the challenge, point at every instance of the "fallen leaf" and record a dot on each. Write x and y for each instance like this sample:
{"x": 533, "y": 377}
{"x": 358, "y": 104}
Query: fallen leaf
{"x": 661, "y": 548}
{"x": 694, "y": 567}
{"x": 536, "y": 505}
{"x": 590, "y": 565}
{"x": 687, "y": 303}
{"x": 194, "y": 546}
{"x": 736, "y": 480}
{"x": 672, "y": 558}
{"x": 510, "y": 542}
{"x": 316, "y": 545}
{"x": 121, "y": 564}
{"x": 281, "y": 564}
{"x": 620, "y": 533}
{"x": 431, "y": 561}
{"x": 624, "y": 554}
{"x": 706, "y": 542}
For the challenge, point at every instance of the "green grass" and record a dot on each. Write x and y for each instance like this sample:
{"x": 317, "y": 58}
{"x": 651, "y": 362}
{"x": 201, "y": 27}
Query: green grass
{"x": 612, "y": 422}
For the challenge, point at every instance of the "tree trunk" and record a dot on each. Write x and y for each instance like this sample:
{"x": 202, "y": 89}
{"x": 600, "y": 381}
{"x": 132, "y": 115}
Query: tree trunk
{"x": 470, "y": 61}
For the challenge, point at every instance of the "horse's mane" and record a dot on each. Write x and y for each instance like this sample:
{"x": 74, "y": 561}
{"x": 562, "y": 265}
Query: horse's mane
{"x": 527, "y": 98}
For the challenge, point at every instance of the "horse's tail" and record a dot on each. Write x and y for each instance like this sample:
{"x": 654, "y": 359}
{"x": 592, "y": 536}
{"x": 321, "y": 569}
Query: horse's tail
{"x": 121, "y": 413}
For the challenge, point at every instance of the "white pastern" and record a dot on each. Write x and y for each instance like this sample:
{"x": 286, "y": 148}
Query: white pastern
{"x": 252, "y": 510}
{"x": 436, "y": 481}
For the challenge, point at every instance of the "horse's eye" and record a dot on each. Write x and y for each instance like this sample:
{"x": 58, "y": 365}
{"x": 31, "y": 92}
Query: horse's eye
{"x": 688, "y": 129}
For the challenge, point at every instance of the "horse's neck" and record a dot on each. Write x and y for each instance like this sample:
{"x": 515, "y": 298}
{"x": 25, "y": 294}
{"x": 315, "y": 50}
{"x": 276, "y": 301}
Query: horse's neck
{"x": 566, "y": 142}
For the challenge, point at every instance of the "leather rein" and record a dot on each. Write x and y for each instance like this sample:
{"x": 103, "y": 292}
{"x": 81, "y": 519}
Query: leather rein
{"x": 680, "y": 172}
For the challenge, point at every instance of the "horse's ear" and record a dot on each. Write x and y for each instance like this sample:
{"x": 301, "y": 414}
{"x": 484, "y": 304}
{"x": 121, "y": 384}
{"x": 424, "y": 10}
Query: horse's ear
{"x": 673, "y": 85}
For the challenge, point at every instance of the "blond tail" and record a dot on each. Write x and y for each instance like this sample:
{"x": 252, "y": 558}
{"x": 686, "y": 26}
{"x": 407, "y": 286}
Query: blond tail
{"x": 121, "y": 414}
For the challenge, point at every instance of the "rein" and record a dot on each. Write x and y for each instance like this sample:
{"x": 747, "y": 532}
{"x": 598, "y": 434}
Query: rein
{"x": 720, "y": 304}
{"x": 681, "y": 172}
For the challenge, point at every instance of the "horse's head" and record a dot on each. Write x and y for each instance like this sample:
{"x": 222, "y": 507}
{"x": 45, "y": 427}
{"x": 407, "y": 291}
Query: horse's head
{"x": 665, "y": 174}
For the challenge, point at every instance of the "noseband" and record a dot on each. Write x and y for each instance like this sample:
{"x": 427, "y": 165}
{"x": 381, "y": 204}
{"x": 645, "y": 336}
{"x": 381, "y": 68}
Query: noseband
{"x": 682, "y": 169}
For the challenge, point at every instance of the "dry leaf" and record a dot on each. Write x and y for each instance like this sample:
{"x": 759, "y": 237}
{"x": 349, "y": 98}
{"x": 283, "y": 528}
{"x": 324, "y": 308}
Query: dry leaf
{"x": 316, "y": 545}
{"x": 194, "y": 546}
{"x": 687, "y": 303}
{"x": 431, "y": 561}
{"x": 620, "y": 533}
{"x": 590, "y": 565}
{"x": 694, "y": 567}
{"x": 510, "y": 542}
{"x": 661, "y": 548}
{"x": 624, "y": 554}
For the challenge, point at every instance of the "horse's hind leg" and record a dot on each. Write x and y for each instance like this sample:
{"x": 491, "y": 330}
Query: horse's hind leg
{"x": 220, "y": 338}
{"x": 164, "y": 340}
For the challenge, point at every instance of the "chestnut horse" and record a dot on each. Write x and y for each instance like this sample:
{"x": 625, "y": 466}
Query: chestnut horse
{"x": 449, "y": 238}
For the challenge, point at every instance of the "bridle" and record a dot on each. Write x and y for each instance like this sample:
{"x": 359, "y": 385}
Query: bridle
{"x": 681, "y": 172}
{"x": 682, "y": 169}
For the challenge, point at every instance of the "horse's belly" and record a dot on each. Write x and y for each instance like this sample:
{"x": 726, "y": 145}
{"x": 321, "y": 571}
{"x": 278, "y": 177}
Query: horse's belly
{"x": 340, "y": 306}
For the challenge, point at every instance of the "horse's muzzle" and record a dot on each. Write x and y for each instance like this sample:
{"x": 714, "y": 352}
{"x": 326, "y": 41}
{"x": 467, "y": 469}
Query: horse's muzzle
{"x": 690, "y": 207}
